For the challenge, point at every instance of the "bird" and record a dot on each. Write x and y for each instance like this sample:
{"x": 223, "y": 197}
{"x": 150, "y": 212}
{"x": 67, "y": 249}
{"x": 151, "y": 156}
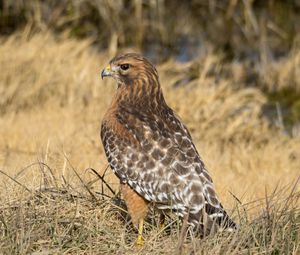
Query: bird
{"x": 152, "y": 152}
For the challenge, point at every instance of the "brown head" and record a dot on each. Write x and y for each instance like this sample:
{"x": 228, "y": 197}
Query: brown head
{"x": 137, "y": 80}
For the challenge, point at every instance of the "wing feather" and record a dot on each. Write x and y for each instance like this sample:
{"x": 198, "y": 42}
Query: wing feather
{"x": 159, "y": 160}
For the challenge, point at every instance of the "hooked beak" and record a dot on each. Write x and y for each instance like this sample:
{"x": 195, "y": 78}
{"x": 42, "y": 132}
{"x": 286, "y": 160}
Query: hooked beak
{"x": 106, "y": 72}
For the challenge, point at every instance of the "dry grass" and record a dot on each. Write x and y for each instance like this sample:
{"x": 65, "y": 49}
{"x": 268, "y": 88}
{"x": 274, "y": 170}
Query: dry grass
{"x": 275, "y": 77}
{"x": 252, "y": 28}
{"x": 52, "y": 101}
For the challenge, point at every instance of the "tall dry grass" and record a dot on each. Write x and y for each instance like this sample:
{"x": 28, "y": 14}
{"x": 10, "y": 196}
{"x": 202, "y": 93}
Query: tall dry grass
{"x": 52, "y": 102}
{"x": 256, "y": 29}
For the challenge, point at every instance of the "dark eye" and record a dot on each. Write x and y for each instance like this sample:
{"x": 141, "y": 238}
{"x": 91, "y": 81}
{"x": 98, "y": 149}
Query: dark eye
{"x": 124, "y": 67}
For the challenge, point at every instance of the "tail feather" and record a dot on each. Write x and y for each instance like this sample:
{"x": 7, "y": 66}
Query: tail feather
{"x": 220, "y": 216}
{"x": 211, "y": 220}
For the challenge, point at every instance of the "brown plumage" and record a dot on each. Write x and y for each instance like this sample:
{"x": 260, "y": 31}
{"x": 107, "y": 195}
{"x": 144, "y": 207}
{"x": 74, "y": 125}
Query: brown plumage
{"x": 151, "y": 151}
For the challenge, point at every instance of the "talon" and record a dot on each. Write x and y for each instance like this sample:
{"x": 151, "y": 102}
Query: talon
{"x": 162, "y": 226}
{"x": 162, "y": 220}
{"x": 140, "y": 241}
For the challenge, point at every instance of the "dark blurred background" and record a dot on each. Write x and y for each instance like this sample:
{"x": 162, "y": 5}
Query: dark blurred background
{"x": 262, "y": 37}
{"x": 163, "y": 29}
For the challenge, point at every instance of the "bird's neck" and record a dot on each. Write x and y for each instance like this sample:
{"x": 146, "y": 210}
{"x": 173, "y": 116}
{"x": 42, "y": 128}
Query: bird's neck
{"x": 141, "y": 96}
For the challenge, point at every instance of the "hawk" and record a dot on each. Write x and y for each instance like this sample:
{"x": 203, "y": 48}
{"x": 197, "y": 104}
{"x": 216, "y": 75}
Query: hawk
{"x": 152, "y": 152}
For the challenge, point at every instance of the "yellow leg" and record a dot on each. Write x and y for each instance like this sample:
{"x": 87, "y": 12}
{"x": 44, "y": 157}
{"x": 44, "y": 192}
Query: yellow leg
{"x": 140, "y": 239}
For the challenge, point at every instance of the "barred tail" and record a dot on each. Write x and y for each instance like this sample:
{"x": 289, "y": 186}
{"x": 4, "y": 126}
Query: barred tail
{"x": 211, "y": 220}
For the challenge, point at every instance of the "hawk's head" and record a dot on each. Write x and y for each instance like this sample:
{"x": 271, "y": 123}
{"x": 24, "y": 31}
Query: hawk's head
{"x": 129, "y": 68}
{"x": 137, "y": 80}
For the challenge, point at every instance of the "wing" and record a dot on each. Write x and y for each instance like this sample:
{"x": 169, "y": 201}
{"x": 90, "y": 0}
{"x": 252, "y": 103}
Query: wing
{"x": 158, "y": 159}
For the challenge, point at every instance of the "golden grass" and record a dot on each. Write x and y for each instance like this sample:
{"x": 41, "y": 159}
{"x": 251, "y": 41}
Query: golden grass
{"x": 52, "y": 101}
{"x": 284, "y": 73}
